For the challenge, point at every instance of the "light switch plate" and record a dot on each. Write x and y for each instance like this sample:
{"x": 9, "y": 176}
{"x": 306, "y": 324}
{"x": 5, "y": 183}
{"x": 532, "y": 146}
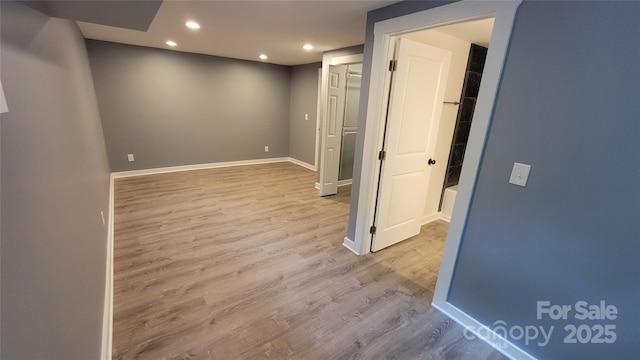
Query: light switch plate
{"x": 520, "y": 174}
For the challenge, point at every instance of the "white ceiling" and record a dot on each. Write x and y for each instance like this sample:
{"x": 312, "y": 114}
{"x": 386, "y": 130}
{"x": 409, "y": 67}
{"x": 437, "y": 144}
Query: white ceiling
{"x": 476, "y": 32}
{"x": 244, "y": 29}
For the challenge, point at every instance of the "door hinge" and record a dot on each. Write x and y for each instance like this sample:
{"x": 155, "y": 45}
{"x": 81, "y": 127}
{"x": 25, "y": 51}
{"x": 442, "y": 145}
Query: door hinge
{"x": 382, "y": 155}
{"x": 372, "y": 230}
{"x": 393, "y": 64}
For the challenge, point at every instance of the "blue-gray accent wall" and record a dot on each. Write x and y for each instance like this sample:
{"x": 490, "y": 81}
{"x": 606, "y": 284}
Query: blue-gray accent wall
{"x": 567, "y": 105}
{"x": 171, "y": 108}
{"x": 55, "y": 183}
{"x": 304, "y": 100}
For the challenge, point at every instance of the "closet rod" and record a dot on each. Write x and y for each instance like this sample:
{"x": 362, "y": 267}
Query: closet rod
{"x": 451, "y": 102}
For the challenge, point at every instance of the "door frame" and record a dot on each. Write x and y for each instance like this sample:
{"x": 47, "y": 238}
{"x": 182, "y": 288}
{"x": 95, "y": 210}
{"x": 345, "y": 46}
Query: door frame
{"x": 332, "y": 58}
{"x": 385, "y": 31}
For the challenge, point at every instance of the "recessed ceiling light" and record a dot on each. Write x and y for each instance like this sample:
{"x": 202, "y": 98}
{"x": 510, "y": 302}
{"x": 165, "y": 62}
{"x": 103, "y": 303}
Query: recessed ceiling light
{"x": 307, "y": 47}
{"x": 192, "y": 25}
{"x": 171, "y": 43}
{"x": 263, "y": 57}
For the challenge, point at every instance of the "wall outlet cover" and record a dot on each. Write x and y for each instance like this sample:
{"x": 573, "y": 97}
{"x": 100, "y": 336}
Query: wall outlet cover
{"x": 519, "y": 174}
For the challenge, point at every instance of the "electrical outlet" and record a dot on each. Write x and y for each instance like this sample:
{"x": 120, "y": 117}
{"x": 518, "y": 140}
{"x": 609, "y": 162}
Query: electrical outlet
{"x": 519, "y": 174}
{"x": 306, "y": 116}
{"x": 130, "y": 157}
{"x": 266, "y": 148}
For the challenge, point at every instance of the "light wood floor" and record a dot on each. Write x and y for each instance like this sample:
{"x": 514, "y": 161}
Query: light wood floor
{"x": 248, "y": 263}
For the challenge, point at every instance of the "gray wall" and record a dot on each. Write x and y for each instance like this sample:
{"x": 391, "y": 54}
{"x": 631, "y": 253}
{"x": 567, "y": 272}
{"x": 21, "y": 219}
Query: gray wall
{"x": 170, "y": 108}
{"x": 568, "y": 105}
{"x": 304, "y": 94}
{"x": 55, "y": 182}
{"x": 572, "y": 234}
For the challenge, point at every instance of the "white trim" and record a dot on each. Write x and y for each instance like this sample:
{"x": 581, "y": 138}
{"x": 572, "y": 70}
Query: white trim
{"x": 435, "y": 216}
{"x": 302, "y": 163}
{"x": 488, "y": 335}
{"x": 3, "y": 101}
{"x": 349, "y": 244}
{"x": 384, "y": 32}
{"x": 430, "y": 218}
{"x": 123, "y": 174}
{"x": 376, "y": 106}
{"x": 316, "y": 160}
{"x": 347, "y": 59}
{"x": 504, "y": 17}
{"x": 340, "y": 183}
{"x": 107, "y": 316}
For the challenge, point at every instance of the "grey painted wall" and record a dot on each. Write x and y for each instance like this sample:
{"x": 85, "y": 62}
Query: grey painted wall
{"x": 568, "y": 106}
{"x": 170, "y": 108}
{"x": 55, "y": 182}
{"x": 304, "y": 95}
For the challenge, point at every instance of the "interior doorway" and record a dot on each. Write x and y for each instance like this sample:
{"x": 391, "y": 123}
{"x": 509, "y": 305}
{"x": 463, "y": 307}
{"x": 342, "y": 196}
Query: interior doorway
{"x": 416, "y": 95}
{"x": 339, "y": 104}
{"x": 384, "y": 33}
{"x": 434, "y": 124}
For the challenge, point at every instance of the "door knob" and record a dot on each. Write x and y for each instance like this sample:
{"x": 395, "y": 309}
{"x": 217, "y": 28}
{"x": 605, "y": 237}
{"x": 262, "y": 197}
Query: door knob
{"x": 431, "y": 162}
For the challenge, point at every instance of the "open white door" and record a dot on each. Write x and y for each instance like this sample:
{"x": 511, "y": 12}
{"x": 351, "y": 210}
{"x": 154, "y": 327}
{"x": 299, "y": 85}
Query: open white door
{"x": 332, "y": 130}
{"x": 415, "y": 105}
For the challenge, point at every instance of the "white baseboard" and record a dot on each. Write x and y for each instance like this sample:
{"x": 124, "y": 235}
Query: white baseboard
{"x": 302, "y": 163}
{"x": 107, "y": 316}
{"x": 435, "y": 216}
{"x": 340, "y": 183}
{"x": 502, "y": 345}
{"x": 349, "y": 244}
{"x": 123, "y": 174}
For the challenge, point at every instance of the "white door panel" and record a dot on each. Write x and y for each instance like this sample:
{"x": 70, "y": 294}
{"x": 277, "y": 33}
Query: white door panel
{"x": 332, "y": 130}
{"x": 415, "y": 106}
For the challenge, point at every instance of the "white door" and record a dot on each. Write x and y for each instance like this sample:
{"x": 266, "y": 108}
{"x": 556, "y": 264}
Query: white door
{"x": 332, "y": 130}
{"x": 415, "y": 105}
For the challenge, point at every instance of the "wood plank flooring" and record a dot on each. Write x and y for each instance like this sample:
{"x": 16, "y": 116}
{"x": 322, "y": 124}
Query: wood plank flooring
{"x": 247, "y": 263}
